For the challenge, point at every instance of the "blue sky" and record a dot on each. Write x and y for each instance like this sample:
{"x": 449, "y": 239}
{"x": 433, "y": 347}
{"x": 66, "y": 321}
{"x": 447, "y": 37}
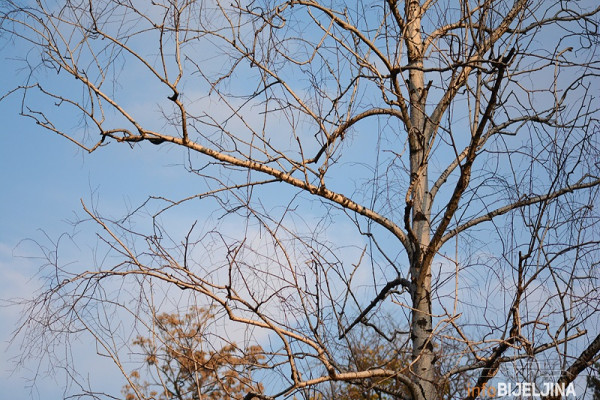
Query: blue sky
{"x": 43, "y": 179}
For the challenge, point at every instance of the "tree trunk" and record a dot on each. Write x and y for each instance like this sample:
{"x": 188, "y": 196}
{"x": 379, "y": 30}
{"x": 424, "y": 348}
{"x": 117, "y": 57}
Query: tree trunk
{"x": 419, "y": 206}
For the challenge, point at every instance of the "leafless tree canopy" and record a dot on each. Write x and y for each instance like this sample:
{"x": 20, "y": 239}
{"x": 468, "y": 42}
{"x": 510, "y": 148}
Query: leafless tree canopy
{"x": 423, "y": 173}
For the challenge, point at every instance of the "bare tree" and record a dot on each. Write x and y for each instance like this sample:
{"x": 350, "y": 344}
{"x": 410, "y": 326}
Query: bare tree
{"x": 436, "y": 161}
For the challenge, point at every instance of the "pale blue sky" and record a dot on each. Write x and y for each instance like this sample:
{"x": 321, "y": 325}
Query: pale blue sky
{"x": 43, "y": 179}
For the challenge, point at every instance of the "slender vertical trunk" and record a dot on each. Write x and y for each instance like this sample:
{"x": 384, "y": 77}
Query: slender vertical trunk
{"x": 421, "y": 323}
